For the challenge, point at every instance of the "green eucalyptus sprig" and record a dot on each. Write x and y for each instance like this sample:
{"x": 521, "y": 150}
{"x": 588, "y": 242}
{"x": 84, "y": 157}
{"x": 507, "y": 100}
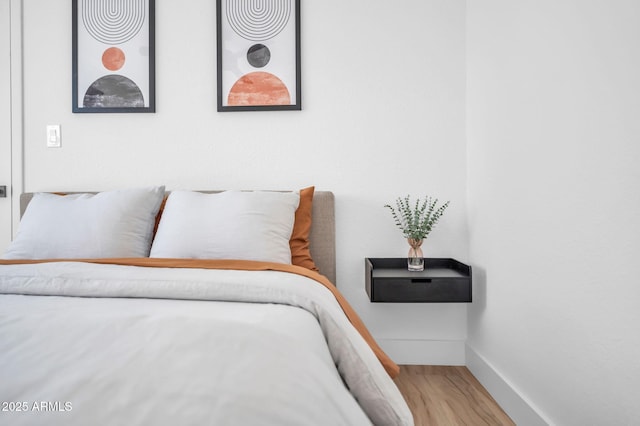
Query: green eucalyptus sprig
{"x": 418, "y": 221}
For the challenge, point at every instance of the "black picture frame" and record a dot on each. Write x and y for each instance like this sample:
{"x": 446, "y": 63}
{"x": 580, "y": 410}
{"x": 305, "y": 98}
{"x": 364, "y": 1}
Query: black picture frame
{"x": 258, "y": 54}
{"x": 113, "y": 57}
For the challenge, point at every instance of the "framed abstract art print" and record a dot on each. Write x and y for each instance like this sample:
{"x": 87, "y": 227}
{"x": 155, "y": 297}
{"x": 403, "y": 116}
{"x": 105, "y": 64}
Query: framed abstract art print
{"x": 258, "y": 55}
{"x": 113, "y": 56}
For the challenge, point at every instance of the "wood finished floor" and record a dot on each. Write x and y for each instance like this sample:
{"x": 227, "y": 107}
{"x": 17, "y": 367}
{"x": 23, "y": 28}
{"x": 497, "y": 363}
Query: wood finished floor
{"x": 448, "y": 396}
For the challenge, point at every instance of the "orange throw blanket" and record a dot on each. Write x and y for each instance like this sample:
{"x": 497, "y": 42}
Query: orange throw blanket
{"x": 392, "y": 369}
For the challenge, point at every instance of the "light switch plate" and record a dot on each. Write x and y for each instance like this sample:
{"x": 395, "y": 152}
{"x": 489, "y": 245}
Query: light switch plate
{"x": 54, "y": 138}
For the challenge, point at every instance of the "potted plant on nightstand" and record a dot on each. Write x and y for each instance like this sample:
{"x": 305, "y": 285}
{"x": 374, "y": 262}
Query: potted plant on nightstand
{"x": 416, "y": 221}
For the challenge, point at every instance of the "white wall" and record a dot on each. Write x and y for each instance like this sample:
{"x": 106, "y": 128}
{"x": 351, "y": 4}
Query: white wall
{"x": 554, "y": 212}
{"x": 383, "y": 116}
{"x": 5, "y": 121}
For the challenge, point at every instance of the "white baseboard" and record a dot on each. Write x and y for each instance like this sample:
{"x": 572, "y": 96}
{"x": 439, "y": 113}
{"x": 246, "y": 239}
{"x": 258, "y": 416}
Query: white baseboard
{"x": 518, "y": 408}
{"x": 424, "y": 352}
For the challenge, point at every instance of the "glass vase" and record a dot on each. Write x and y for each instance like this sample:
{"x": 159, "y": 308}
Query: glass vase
{"x": 415, "y": 259}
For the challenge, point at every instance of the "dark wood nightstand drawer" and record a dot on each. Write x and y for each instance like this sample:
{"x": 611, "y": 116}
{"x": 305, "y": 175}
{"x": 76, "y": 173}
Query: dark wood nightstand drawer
{"x": 442, "y": 281}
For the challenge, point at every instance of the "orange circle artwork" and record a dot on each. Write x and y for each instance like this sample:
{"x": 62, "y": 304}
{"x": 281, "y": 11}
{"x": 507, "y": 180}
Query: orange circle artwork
{"x": 113, "y": 59}
{"x": 259, "y": 88}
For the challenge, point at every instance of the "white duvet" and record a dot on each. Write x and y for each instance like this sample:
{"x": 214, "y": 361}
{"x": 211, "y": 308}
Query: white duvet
{"x": 160, "y": 346}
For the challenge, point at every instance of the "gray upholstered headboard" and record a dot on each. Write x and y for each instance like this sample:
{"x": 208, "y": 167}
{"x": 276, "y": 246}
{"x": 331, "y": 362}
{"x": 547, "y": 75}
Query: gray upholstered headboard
{"x": 322, "y": 237}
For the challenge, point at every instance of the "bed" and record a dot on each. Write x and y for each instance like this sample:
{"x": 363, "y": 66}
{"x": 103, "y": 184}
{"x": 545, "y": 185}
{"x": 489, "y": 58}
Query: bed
{"x": 139, "y": 307}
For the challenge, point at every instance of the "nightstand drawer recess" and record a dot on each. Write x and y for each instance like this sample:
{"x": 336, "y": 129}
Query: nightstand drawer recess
{"x": 442, "y": 281}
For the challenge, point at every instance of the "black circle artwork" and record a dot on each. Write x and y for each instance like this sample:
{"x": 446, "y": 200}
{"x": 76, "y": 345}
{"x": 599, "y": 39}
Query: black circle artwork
{"x": 112, "y": 91}
{"x": 258, "y": 55}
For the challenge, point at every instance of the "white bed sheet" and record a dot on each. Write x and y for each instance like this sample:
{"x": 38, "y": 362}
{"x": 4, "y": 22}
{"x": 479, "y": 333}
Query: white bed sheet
{"x": 196, "y": 362}
{"x": 183, "y": 346}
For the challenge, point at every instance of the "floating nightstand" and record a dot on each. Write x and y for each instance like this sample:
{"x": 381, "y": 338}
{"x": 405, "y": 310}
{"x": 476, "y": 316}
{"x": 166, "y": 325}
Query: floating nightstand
{"x": 443, "y": 280}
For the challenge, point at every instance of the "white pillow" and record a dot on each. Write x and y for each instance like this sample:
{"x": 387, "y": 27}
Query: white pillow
{"x": 227, "y": 225}
{"x": 107, "y": 224}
